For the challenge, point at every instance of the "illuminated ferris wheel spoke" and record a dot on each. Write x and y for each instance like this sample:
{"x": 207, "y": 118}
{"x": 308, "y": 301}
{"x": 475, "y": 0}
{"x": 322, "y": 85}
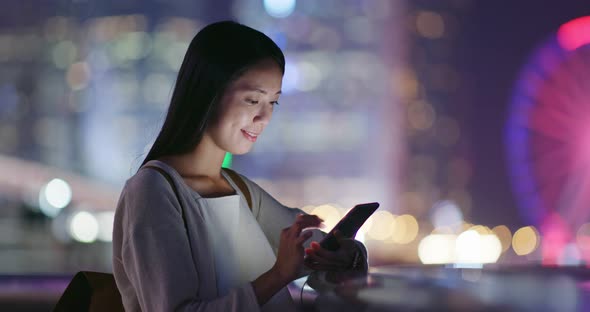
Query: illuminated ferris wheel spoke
{"x": 560, "y": 97}
{"x": 574, "y": 200}
{"x": 556, "y": 117}
{"x": 551, "y": 94}
{"x": 542, "y": 124}
{"x": 567, "y": 79}
{"x": 548, "y": 164}
{"x": 579, "y": 81}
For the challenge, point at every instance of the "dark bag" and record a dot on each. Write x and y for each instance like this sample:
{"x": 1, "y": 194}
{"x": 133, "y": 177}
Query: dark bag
{"x": 94, "y": 291}
{"x": 91, "y": 291}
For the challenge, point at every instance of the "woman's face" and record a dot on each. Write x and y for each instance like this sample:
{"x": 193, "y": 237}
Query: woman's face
{"x": 246, "y": 107}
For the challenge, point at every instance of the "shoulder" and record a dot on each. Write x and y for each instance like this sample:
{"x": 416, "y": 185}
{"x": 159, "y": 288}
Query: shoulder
{"x": 147, "y": 182}
{"x": 252, "y": 186}
{"x": 145, "y": 191}
{"x": 260, "y": 195}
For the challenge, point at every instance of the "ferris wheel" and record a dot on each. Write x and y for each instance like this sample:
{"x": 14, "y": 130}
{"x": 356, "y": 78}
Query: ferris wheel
{"x": 548, "y": 129}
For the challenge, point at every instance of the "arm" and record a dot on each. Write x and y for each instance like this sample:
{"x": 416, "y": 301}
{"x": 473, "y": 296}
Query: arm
{"x": 270, "y": 212}
{"x": 156, "y": 257}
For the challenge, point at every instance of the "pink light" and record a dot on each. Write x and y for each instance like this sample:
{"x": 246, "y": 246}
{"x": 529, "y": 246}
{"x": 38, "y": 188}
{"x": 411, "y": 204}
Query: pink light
{"x": 585, "y": 143}
{"x": 555, "y": 235}
{"x": 574, "y": 33}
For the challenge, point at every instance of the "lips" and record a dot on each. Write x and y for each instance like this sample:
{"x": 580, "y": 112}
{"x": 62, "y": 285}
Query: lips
{"x": 251, "y": 136}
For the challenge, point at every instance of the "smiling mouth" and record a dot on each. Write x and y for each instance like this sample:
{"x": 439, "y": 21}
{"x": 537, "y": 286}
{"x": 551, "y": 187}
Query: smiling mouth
{"x": 251, "y": 136}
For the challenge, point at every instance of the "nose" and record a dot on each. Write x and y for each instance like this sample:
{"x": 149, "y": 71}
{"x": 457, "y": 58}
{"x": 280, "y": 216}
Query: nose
{"x": 263, "y": 115}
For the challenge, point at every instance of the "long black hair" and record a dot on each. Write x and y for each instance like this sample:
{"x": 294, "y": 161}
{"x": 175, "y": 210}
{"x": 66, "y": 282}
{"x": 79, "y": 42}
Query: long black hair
{"x": 217, "y": 55}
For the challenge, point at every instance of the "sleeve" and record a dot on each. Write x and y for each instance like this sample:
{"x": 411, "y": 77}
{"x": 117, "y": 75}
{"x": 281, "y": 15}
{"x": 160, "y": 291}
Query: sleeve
{"x": 157, "y": 258}
{"x": 274, "y": 216}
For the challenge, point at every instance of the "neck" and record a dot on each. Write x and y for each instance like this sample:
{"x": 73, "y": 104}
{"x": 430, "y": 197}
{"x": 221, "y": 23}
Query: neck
{"x": 204, "y": 161}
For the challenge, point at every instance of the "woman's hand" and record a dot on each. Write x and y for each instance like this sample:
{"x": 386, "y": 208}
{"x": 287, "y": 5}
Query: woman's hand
{"x": 289, "y": 259}
{"x": 290, "y": 255}
{"x": 321, "y": 259}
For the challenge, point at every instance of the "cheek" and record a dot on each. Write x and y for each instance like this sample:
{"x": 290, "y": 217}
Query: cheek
{"x": 233, "y": 121}
{"x": 240, "y": 115}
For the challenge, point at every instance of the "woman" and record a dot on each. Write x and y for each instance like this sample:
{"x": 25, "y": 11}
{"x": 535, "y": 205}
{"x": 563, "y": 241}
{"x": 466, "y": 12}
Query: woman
{"x": 184, "y": 238}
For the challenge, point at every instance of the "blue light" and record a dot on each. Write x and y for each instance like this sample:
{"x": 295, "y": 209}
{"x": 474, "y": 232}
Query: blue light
{"x": 291, "y": 77}
{"x": 280, "y": 39}
{"x": 279, "y": 8}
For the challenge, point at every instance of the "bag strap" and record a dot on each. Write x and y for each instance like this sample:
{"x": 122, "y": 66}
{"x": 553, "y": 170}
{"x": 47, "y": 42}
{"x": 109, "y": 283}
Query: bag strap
{"x": 232, "y": 174}
{"x": 241, "y": 185}
{"x": 182, "y": 212}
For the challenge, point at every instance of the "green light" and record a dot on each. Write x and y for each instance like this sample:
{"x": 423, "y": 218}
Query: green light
{"x": 227, "y": 161}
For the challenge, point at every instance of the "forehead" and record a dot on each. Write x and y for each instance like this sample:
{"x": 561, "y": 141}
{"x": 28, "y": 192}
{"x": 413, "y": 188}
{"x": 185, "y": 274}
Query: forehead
{"x": 265, "y": 77}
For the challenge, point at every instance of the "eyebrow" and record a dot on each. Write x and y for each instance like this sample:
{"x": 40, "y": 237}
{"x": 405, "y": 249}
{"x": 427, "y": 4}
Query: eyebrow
{"x": 260, "y": 90}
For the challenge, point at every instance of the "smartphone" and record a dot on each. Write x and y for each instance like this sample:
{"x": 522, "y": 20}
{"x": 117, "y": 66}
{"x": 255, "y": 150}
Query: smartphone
{"x": 349, "y": 224}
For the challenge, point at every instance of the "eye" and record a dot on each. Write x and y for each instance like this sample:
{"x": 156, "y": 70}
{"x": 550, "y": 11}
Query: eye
{"x": 253, "y": 102}
{"x": 274, "y": 103}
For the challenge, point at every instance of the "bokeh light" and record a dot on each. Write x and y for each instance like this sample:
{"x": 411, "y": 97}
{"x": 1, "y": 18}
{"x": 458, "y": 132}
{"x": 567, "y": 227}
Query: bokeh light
{"x": 84, "y": 227}
{"x": 54, "y": 196}
{"x": 325, "y": 38}
{"x": 437, "y": 249}
{"x": 78, "y": 75}
{"x": 364, "y": 229}
{"x": 446, "y": 213}
{"x": 157, "y": 89}
{"x": 330, "y": 214}
{"x": 421, "y": 115}
{"x": 570, "y": 256}
{"x": 481, "y": 229}
{"x": 447, "y": 131}
{"x": 474, "y": 247}
{"x": 290, "y": 78}
{"x": 463, "y": 199}
{"x": 467, "y": 247}
{"x": 504, "y": 235}
{"x": 405, "y": 229}
{"x": 279, "y": 8}
{"x": 430, "y": 24}
{"x": 405, "y": 82}
{"x": 525, "y": 240}
{"x": 382, "y": 226}
{"x": 105, "y": 221}
{"x": 64, "y": 53}
{"x": 491, "y": 248}
{"x": 443, "y": 230}
{"x": 575, "y": 33}
{"x": 477, "y": 245}
{"x": 309, "y": 76}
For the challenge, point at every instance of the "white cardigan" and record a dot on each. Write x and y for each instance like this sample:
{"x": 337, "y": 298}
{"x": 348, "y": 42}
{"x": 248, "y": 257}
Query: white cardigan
{"x": 152, "y": 260}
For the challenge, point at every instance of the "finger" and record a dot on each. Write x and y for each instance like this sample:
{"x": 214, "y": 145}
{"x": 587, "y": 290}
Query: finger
{"x": 303, "y": 237}
{"x": 309, "y": 215}
{"x": 305, "y": 221}
{"x": 309, "y": 219}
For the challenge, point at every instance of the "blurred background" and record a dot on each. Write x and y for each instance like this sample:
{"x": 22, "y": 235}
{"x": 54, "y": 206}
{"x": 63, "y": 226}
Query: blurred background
{"x": 469, "y": 121}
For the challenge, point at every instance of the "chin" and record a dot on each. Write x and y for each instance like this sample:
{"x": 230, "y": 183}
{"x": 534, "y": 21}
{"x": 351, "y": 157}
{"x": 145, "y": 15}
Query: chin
{"x": 241, "y": 150}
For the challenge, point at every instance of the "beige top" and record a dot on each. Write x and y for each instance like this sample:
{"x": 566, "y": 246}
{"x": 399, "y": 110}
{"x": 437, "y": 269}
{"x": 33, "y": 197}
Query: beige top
{"x": 240, "y": 248}
{"x": 152, "y": 260}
